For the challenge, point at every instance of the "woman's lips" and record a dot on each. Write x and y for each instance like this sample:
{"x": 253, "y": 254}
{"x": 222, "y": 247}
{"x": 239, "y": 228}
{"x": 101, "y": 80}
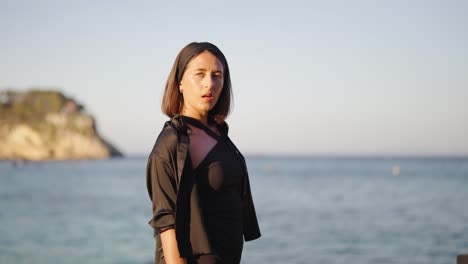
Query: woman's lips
{"x": 208, "y": 97}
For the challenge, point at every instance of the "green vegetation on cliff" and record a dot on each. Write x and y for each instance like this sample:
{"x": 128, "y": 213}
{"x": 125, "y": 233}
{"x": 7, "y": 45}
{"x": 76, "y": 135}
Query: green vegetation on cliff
{"x": 33, "y": 105}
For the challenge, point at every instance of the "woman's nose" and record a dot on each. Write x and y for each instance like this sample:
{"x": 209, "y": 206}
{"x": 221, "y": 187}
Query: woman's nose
{"x": 209, "y": 81}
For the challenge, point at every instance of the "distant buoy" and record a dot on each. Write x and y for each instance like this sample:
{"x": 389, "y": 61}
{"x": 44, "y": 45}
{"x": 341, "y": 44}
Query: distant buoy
{"x": 395, "y": 170}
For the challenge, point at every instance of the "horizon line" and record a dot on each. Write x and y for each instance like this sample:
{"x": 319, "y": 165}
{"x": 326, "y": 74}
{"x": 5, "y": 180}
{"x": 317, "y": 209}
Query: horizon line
{"x": 335, "y": 155}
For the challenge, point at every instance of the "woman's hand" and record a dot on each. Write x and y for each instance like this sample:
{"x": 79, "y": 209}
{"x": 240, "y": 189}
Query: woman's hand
{"x": 170, "y": 248}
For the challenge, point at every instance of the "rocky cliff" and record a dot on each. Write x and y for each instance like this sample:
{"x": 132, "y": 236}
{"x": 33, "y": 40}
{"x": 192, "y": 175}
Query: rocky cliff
{"x": 47, "y": 125}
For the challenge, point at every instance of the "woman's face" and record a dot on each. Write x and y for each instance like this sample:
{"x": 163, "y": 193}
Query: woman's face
{"x": 201, "y": 84}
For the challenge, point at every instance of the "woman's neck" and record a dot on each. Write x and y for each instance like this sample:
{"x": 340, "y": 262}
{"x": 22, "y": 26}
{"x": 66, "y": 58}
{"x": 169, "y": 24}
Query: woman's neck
{"x": 199, "y": 116}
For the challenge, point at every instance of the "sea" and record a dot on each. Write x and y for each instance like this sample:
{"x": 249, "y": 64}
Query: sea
{"x": 311, "y": 209}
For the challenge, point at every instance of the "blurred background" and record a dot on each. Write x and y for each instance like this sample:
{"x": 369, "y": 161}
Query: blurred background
{"x": 352, "y": 116}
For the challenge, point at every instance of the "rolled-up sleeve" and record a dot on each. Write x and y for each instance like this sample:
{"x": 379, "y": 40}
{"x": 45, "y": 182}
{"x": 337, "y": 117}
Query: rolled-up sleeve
{"x": 162, "y": 190}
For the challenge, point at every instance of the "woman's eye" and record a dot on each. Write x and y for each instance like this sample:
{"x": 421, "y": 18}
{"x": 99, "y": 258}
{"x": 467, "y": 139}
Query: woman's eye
{"x": 201, "y": 74}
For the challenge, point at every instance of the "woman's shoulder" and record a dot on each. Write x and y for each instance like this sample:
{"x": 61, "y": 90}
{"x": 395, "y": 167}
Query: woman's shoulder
{"x": 223, "y": 127}
{"x": 166, "y": 141}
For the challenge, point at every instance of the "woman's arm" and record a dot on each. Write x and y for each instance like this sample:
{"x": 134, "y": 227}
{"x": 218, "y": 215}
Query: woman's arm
{"x": 162, "y": 189}
{"x": 170, "y": 249}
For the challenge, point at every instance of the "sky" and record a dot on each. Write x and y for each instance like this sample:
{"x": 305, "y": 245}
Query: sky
{"x": 309, "y": 77}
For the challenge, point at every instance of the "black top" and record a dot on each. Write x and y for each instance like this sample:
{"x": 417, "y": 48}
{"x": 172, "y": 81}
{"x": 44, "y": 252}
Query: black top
{"x": 170, "y": 181}
{"x": 217, "y": 190}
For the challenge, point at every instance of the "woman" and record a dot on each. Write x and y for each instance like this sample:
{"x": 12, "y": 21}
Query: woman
{"x": 196, "y": 177}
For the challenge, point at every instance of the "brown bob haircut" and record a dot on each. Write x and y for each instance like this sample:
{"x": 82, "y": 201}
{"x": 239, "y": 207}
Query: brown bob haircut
{"x": 173, "y": 100}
